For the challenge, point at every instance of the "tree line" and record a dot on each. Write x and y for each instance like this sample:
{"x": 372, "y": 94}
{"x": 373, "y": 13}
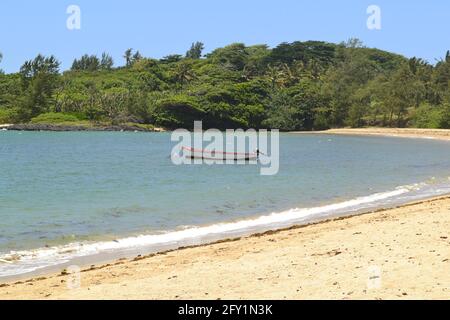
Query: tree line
{"x": 310, "y": 85}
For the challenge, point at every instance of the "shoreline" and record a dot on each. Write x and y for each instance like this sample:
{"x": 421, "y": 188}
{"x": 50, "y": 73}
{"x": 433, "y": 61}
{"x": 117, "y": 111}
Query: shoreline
{"x": 417, "y": 133}
{"x": 77, "y": 128}
{"x": 107, "y": 251}
{"x": 116, "y": 275}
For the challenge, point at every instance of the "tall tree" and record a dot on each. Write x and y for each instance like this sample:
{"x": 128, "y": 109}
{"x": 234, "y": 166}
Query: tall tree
{"x": 441, "y": 77}
{"x": 195, "y": 52}
{"x": 107, "y": 62}
{"x": 86, "y": 63}
{"x": 136, "y": 57}
{"x": 128, "y": 55}
{"x": 353, "y": 43}
{"x": 39, "y": 78}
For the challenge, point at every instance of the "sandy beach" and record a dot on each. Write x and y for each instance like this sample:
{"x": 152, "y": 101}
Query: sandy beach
{"x": 400, "y": 253}
{"x": 441, "y": 134}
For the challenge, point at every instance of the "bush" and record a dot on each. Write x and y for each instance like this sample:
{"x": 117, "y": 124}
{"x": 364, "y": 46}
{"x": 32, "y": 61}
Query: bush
{"x": 8, "y": 116}
{"x": 54, "y": 117}
{"x": 427, "y": 116}
{"x": 178, "y": 112}
{"x": 444, "y": 122}
{"x": 321, "y": 121}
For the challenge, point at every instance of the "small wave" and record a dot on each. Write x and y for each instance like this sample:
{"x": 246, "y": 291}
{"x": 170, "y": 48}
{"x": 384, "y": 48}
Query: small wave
{"x": 19, "y": 262}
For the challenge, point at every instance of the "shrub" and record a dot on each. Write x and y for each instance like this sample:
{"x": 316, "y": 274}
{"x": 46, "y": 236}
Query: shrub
{"x": 8, "y": 116}
{"x": 54, "y": 117}
{"x": 427, "y": 116}
{"x": 178, "y": 112}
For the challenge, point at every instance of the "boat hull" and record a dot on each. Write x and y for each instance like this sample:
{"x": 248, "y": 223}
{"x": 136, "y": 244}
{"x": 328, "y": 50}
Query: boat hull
{"x": 191, "y": 153}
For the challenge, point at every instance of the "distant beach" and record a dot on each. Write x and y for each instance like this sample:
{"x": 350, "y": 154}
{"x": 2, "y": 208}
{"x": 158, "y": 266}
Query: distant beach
{"x": 441, "y": 134}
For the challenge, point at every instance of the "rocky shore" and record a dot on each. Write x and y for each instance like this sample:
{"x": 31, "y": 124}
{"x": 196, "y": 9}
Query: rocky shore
{"x": 63, "y": 128}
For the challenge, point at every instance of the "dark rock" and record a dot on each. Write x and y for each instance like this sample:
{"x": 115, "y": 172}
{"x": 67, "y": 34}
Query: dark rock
{"x": 65, "y": 128}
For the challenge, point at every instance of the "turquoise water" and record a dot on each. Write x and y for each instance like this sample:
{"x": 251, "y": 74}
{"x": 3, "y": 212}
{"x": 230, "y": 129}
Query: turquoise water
{"x": 58, "y": 189}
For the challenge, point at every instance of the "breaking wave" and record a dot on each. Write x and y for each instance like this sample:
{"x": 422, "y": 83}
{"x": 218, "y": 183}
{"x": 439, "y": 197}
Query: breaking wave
{"x": 22, "y": 262}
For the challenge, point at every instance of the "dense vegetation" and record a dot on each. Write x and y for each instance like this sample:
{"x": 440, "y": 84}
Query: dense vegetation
{"x": 294, "y": 86}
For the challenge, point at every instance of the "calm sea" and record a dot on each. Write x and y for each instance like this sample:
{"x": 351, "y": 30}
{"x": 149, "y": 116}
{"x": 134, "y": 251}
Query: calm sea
{"x": 69, "y": 196}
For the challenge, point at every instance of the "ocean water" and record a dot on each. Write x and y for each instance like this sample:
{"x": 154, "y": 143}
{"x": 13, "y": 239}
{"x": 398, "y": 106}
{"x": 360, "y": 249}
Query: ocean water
{"x": 68, "y": 197}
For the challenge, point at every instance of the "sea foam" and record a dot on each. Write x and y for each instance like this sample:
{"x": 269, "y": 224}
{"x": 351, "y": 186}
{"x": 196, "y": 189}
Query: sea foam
{"x": 20, "y": 262}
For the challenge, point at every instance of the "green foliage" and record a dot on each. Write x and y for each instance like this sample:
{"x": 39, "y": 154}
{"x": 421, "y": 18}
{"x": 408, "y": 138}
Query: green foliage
{"x": 310, "y": 85}
{"x": 128, "y": 56}
{"x": 86, "y": 62}
{"x": 172, "y": 58}
{"x": 303, "y": 52}
{"x": 131, "y": 58}
{"x": 8, "y": 116}
{"x": 195, "y": 52}
{"x": 232, "y": 57}
{"x": 58, "y": 118}
{"x": 10, "y": 90}
{"x": 444, "y": 122}
{"x": 427, "y": 117}
{"x": 93, "y": 63}
{"x": 106, "y": 62}
{"x": 39, "y": 82}
{"x": 177, "y": 111}
{"x": 296, "y": 108}
{"x": 434, "y": 117}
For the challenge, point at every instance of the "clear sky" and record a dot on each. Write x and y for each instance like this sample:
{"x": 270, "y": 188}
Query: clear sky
{"x": 161, "y": 27}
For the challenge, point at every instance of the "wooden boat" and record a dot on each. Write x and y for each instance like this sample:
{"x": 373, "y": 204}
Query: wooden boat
{"x": 192, "y": 153}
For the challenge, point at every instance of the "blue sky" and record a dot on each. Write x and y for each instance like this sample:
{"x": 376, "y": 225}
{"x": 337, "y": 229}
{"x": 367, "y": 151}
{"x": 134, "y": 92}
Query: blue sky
{"x": 160, "y": 27}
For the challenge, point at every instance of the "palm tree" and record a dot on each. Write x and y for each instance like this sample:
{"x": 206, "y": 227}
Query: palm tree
{"x": 184, "y": 73}
{"x": 128, "y": 56}
{"x": 288, "y": 76}
{"x": 107, "y": 61}
{"x": 278, "y": 75}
